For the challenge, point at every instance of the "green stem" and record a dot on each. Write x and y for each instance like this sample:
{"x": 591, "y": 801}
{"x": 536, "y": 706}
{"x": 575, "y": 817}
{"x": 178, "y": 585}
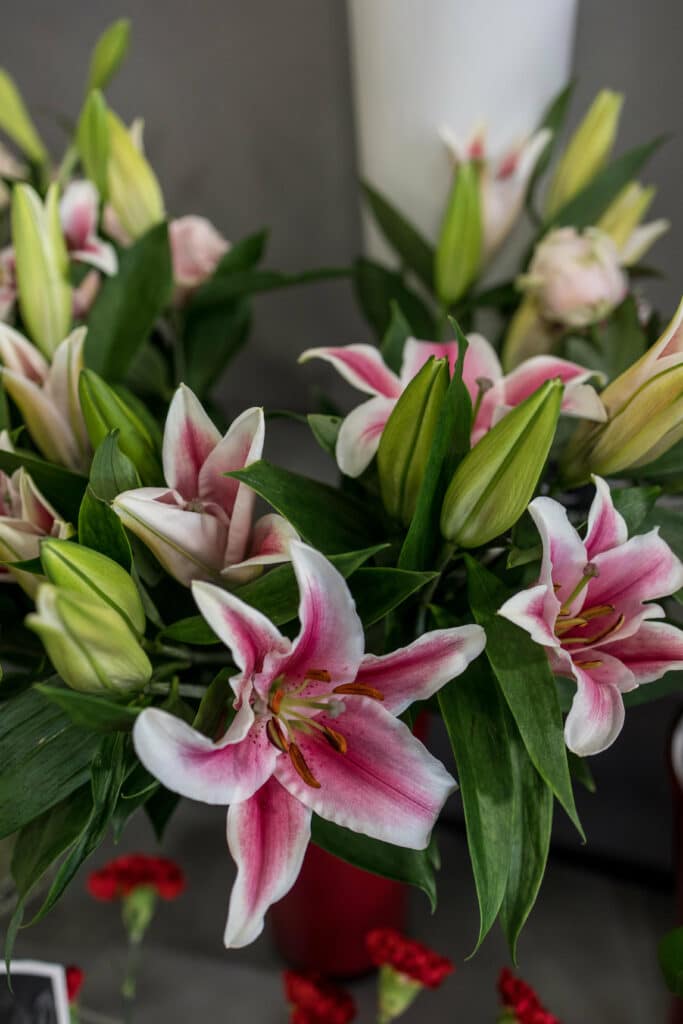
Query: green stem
{"x": 446, "y": 554}
{"x": 187, "y": 653}
{"x": 183, "y": 689}
{"x": 129, "y": 987}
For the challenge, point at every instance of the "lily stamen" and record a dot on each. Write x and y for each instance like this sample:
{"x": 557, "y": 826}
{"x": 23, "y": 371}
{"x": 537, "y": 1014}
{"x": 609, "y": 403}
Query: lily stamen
{"x": 590, "y": 571}
{"x": 300, "y": 767}
{"x": 360, "y": 690}
{"x": 276, "y": 735}
{"x": 321, "y": 675}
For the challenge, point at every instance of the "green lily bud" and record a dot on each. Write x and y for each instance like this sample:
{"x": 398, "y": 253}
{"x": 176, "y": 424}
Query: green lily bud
{"x": 459, "y": 250}
{"x": 92, "y": 140}
{"x": 108, "y": 53}
{"x": 89, "y": 644}
{"x": 407, "y": 439}
{"x": 42, "y": 264}
{"x": 87, "y": 572}
{"x": 495, "y": 481}
{"x": 587, "y": 152}
{"x": 133, "y": 188}
{"x": 104, "y": 410}
{"x": 16, "y": 121}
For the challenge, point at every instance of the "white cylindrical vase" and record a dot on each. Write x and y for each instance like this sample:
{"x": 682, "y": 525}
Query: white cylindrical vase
{"x": 419, "y": 65}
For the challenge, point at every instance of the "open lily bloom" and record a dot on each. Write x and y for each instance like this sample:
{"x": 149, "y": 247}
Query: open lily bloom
{"x": 47, "y": 396}
{"x": 315, "y": 729}
{"x": 492, "y": 393}
{"x": 200, "y": 526}
{"x": 592, "y": 611}
{"x": 78, "y": 210}
{"x": 503, "y": 184}
{"x": 196, "y": 250}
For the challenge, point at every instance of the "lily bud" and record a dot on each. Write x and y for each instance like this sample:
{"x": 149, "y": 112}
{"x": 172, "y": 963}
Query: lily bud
{"x": 407, "y": 439}
{"x": 92, "y": 140}
{"x": 16, "y": 121}
{"x": 459, "y": 250}
{"x": 645, "y": 409}
{"x": 495, "y": 481}
{"x": 133, "y": 188}
{"x": 42, "y": 266}
{"x": 587, "y": 152}
{"x": 98, "y": 578}
{"x": 622, "y": 222}
{"x": 89, "y": 644}
{"x": 104, "y": 410}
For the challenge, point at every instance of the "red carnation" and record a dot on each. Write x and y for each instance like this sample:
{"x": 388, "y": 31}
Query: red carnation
{"x": 388, "y": 947}
{"x": 123, "y": 875}
{"x": 519, "y": 997}
{"x": 315, "y": 1001}
{"x": 74, "y": 982}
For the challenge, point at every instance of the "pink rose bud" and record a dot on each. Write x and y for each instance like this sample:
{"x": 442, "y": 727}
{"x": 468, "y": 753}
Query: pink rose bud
{"x": 196, "y": 249}
{"x": 576, "y": 278}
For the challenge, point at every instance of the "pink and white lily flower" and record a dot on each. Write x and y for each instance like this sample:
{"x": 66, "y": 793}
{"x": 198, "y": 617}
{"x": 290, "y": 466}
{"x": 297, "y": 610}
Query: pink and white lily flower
{"x": 315, "y": 730}
{"x": 47, "y": 395}
{"x": 502, "y": 183}
{"x": 196, "y": 250}
{"x": 592, "y": 611}
{"x": 79, "y": 208}
{"x": 26, "y": 517}
{"x": 493, "y": 393}
{"x": 200, "y": 526}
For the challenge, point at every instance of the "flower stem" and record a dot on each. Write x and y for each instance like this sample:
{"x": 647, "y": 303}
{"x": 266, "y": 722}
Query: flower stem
{"x": 129, "y": 987}
{"x": 183, "y": 689}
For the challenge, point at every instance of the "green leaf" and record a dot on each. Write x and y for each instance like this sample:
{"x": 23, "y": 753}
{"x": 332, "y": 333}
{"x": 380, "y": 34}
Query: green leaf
{"x": 635, "y": 504}
{"x": 614, "y": 345}
{"x": 395, "y": 337}
{"x": 325, "y": 430}
{"x": 275, "y": 594}
{"x": 62, "y": 488}
{"x": 45, "y": 757}
{"x": 89, "y": 710}
{"x": 108, "y": 772}
{"x": 413, "y": 867}
{"x": 474, "y": 715}
{"x": 522, "y": 670}
{"x": 101, "y": 529}
{"x": 223, "y": 287}
{"x": 216, "y": 705}
{"x": 553, "y": 118}
{"x": 378, "y": 591}
{"x": 586, "y": 208}
{"x": 451, "y": 442}
{"x": 415, "y": 252}
{"x": 670, "y": 523}
{"x": 112, "y": 472}
{"x": 129, "y": 303}
{"x": 580, "y": 770}
{"x": 38, "y": 846}
{"x": 108, "y": 54}
{"x": 667, "y": 470}
{"x": 533, "y": 818}
{"x": 327, "y": 518}
{"x": 670, "y": 953}
{"x": 377, "y": 289}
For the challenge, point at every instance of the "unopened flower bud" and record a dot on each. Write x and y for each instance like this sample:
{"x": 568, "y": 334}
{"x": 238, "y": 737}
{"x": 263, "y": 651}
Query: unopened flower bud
{"x": 104, "y": 410}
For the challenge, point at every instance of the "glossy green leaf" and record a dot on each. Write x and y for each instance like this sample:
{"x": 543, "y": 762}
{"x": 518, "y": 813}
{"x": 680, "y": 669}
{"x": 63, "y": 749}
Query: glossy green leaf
{"x": 378, "y": 591}
{"x": 101, "y": 529}
{"x": 522, "y": 670}
{"x": 413, "y": 867}
{"x": 212, "y": 337}
{"x": 325, "y": 430}
{"x": 108, "y": 54}
{"x": 111, "y": 471}
{"x": 216, "y": 708}
{"x": 45, "y": 757}
{"x": 635, "y": 504}
{"x": 377, "y": 289}
{"x": 129, "y": 303}
{"x": 415, "y": 252}
{"x": 473, "y": 712}
{"x": 327, "y": 518}
{"x": 395, "y": 337}
{"x": 89, "y": 710}
{"x": 62, "y": 488}
{"x": 586, "y": 208}
{"x": 532, "y": 825}
{"x": 224, "y": 287}
{"x": 670, "y": 953}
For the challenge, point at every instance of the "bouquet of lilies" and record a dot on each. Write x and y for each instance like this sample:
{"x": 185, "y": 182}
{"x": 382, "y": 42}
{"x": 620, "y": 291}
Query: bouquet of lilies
{"x": 501, "y": 549}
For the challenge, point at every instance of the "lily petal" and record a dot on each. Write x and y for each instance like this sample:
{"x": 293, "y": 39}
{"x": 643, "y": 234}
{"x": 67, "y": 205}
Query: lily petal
{"x": 416, "y": 353}
{"x": 98, "y": 254}
{"x": 361, "y": 365}
{"x": 564, "y": 555}
{"x": 533, "y": 372}
{"x": 270, "y": 540}
{"x": 360, "y": 434}
{"x": 655, "y": 649}
{"x": 189, "y": 439}
{"x": 386, "y": 786}
{"x": 606, "y": 526}
{"x": 596, "y": 716}
{"x": 20, "y": 356}
{"x": 61, "y": 386}
{"x": 78, "y": 213}
{"x": 331, "y": 636}
{"x": 45, "y": 423}
{"x": 267, "y": 837}
{"x": 643, "y": 569}
{"x": 419, "y": 670}
{"x": 528, "y": 609}
{"x": 189, "y": 763}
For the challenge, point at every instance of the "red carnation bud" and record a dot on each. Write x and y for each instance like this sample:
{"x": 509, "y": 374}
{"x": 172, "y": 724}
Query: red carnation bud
{"x": 315, "y": 1001}
{"x": 520, "y": 998}
{"x": 420, "y": 963}
{"x": 74, "y": 982}
{"x": 120, "y": 877}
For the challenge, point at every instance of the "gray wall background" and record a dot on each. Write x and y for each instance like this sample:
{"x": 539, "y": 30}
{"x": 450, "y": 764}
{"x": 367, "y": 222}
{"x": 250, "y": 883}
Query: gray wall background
{"x": 248, "y": 115}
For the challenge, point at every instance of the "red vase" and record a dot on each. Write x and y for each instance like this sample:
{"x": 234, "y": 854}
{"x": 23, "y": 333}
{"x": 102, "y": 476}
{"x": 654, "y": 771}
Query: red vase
{"x": 321, "y": 923}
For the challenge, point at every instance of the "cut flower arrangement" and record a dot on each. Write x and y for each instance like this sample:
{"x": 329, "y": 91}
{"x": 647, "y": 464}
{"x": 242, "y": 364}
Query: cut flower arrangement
{"x": 497, "y": 550}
